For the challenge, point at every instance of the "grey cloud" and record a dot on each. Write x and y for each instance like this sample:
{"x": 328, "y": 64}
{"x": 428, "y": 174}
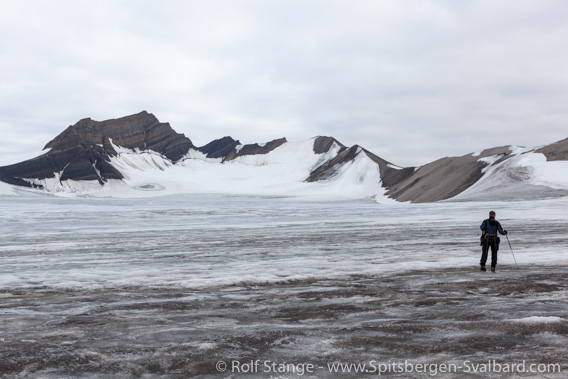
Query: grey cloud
{"x": 410, "y": 80}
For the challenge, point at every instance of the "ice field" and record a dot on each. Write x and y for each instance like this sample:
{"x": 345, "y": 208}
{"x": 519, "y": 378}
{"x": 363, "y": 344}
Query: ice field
{"x": 170, "y": 286}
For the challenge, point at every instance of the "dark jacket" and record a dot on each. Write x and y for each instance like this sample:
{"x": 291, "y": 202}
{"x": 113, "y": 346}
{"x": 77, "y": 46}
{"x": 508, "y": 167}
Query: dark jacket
{"x": 491, "y": 226}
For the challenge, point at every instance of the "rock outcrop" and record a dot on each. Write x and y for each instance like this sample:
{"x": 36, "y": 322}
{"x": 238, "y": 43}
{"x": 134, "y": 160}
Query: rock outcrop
{"x": 254, "y": 149}
{"x": 557, "y": 151}
{"x": 322, "y": 144}
{"x": 219, "y": 148}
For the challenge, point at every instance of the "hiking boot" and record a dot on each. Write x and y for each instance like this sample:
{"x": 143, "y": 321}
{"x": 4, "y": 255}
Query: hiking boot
{"x": 482, "y": 268}
{"x": 492, "y": 268}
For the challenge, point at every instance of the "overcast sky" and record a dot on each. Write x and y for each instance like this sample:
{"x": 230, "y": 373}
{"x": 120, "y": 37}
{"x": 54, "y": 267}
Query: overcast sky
{"x": 412, "y": 81}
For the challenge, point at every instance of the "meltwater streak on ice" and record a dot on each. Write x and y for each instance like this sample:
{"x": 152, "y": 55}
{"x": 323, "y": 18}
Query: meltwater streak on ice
{"x": 207, "y": 240}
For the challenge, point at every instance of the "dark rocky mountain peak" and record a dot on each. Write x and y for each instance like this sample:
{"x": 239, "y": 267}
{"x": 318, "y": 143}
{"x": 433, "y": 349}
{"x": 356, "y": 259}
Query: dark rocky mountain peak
{"x": 139, "y": 131}
{"x": 83, "y": 151}
{"x": 322, "y": 144}
{"x": 254, "y": 149}
{"x": 219, "y": 148}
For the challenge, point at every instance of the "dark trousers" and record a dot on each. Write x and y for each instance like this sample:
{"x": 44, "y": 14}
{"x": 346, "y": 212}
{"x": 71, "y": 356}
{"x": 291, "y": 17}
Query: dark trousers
{"x": 489, "y": 242}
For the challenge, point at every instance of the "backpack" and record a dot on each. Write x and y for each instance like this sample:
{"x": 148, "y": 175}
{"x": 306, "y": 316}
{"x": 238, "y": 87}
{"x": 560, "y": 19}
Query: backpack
{"x": 485, "y": 237}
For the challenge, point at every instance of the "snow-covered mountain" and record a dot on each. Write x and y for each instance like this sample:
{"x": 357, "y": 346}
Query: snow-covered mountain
{"x": 139, "y": 156}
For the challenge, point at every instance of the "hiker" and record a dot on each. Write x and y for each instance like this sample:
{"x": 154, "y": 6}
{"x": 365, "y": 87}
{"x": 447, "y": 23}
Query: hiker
{"x": 490, "y": 227}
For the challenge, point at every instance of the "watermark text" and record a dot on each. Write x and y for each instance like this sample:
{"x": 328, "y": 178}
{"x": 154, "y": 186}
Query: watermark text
{"x": 379, "y": 368}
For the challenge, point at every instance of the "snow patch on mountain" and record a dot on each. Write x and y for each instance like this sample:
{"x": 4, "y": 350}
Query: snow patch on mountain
{"x": 359, "y": 178}
{"x": 323, "y": 158}
{"x": 196, "y": 154}
{"x": 553, "y": 174}
{"x": 489, "y": 161}
{"x": 395, "y": 167}
{"x": 525, "y": 175}
{"x": 71, "y": 187}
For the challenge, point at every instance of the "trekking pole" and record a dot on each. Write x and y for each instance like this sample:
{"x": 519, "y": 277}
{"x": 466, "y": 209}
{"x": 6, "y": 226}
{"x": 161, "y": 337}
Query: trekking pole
{"x": 506, "y": 235}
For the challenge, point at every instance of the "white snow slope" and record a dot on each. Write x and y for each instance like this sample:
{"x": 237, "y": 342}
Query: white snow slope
{"x": 525, "y": 175}
{"x": 281, "y": 172}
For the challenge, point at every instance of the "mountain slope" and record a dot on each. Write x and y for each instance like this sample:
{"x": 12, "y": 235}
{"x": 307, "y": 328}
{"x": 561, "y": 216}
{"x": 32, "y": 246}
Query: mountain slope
{"x": 444, "y": 178}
